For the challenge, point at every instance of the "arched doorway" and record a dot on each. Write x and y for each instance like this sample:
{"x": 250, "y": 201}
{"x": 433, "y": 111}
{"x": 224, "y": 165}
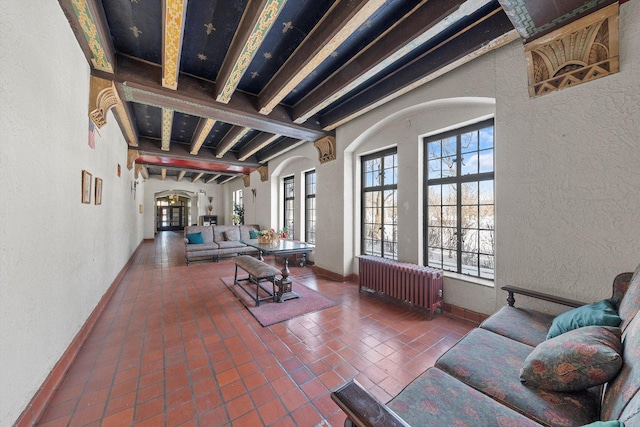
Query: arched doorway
{"x": 173, "y": 210}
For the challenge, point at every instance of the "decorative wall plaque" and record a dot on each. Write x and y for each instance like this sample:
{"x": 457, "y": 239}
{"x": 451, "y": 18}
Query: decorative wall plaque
{"x": 584, "y": 50}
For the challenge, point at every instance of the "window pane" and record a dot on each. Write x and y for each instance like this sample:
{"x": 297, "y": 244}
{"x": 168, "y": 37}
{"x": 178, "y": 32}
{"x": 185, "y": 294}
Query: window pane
{"x": 450, "y": 194}
{"x": 486, "y": 192}
{"x": 470, "y": 193}
{"x": 449, "y": 166}
{"x": 486, "y": 138}
{"x": 487, "y": 266}
{"x": 449, "y": 238}
{"x": 434, "y": 255}
{"x": 434, "y": 195}
{"x": 449, "y": 146}
{"x": 450, "y": 260}
{"x": 486, "y": 217}
{"x": 470, "y": 216}
{"x": 434, "y": 150}
{"x": 470, "y": 240}
{"x": 469, "y": 163}
{"x": 449, "y": 216}
{"x": 486, "y": 161}
{"x": 469, "y": 142}
{"x": 435, "y": 237}
{"x": 434, "y": 216}
{"x": 435, "y": 169}
{"x": 470, "y": 264}
{"x": 486, "y": 241}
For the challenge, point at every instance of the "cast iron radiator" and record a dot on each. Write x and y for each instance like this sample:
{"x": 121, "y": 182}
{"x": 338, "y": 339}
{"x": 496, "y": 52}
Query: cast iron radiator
{"x": 415, "y": 284}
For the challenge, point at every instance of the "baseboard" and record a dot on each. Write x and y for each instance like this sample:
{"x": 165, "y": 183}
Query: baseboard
{"x": 38, "y": 403}
{"x": 464, "y": 314}
{"x": 333, "y": 276}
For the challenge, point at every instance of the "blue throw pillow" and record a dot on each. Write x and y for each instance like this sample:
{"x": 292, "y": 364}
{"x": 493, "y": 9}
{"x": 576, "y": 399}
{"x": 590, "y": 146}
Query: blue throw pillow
{"x": 195, "y": 237}
{"x": 601, "y": 313}
{"x": 253, "y": 234}
{"x": 614, "y": 423}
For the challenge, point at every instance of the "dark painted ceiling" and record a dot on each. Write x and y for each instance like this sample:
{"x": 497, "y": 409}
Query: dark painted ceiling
{"x": 212, "y": 89}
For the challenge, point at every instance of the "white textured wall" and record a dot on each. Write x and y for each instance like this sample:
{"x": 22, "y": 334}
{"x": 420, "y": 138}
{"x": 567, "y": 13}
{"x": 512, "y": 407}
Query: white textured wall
{"x": 567, "y": 175}
{"x": 57, "y": 256}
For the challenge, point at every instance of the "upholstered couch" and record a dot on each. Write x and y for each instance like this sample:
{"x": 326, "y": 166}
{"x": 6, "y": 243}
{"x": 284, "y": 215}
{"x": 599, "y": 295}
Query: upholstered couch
{"x": 508, "y": 372}
{"x": 210, "y": 242}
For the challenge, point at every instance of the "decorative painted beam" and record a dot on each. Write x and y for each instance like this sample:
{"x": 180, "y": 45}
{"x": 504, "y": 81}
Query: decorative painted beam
{"x": 256, "y": 144}
{"x": 230, "y": 139}
{"x": 138, "y": 81}
{"x": 87, "y": 21}
{"x": 213, "y": 178}
{"x": 181, "y": 175}
{"x": 197, "y": 177}
{"x": 174, "y": 13}
{"x": 201, "y": 133}
{"x": 419, "y": 26}
{"x": 340, "y": 23}
{"x": 487, "y": 34}
{"x": 167, "y": 124}
{"x": 256, "y": 22}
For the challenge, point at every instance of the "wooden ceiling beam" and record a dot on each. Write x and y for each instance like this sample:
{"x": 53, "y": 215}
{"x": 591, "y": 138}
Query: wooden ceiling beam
{"x": 213, "y": 178}
{"x": 197, "y": 177}
{"x": 201, "y": 133}
{"x": 181, "y": 175}
{"x": 163, "y": 174}
{"x": 256, "y": 144}
{"x": 279, "y": 148}
{"x": 423, "y": 22}
{"x": 484, "y": 35}
{"x": 335, "y": 27}
{"x": 230, "y": 139}
{"x": 138, "y": 81}
{"x": 254, "y": 26}
{"x": 174, "y": 13}
{"x": 167, "y": 125}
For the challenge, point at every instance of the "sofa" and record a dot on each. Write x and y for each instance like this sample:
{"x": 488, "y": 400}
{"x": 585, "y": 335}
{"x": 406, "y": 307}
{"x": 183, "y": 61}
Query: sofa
{"x": 521, "y": 367}
{"x": 210, "y": 242}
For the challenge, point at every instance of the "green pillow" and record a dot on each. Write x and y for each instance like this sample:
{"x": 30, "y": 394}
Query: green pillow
{"x": 253, "y": 234}
{"x": 601, "y": 313}
{"x": 195, "y": 238}
{"x": 579, "y": 359}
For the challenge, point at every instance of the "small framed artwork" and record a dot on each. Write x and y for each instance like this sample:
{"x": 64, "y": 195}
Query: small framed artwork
{"x": 140, "y": 208}
{"x": 118, "y": 169}
{"x": 86, "y": 186}
{"x": 98, "y": 191}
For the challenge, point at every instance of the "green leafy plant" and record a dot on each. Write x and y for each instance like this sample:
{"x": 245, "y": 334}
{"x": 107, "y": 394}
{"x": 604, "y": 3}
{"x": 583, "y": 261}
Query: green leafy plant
{"x": 238, "y": 213}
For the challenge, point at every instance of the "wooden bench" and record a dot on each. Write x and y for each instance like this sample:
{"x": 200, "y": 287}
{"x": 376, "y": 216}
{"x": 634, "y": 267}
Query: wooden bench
{"x": 259, "y": 272}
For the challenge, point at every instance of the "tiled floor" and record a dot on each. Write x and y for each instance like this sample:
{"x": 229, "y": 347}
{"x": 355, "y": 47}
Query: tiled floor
{"x": 175, "y": 348}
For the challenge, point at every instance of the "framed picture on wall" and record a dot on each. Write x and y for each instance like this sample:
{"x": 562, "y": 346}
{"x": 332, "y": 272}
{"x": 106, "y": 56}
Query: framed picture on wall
{"x": 98, "y": 191}
{"x": 86, "y": 187}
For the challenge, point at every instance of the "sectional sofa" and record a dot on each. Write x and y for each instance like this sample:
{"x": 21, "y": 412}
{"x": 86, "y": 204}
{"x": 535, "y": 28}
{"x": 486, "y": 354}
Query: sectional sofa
{"x": 522, "y": 367}
{"x": 210, "y": 242}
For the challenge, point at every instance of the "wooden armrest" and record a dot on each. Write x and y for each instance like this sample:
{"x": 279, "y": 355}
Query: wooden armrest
{"x": 538, "y": 295}
{"x": 364, "y": 410}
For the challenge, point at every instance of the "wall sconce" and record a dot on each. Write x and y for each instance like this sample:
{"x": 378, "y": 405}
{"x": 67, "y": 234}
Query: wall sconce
{"x": 253, "y": 192}
{"x": 210, "y": 199}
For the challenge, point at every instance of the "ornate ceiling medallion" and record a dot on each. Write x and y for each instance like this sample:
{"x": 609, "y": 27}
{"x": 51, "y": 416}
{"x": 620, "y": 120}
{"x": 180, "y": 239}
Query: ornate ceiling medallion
{"x": 580, "y": 52}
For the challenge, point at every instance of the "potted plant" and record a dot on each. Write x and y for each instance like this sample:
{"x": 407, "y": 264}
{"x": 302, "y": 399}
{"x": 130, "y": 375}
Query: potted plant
{"x": 238, "y": 214}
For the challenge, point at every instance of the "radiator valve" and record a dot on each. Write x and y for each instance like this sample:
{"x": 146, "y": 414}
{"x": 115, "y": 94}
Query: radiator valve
{"x": 439, "y": 293}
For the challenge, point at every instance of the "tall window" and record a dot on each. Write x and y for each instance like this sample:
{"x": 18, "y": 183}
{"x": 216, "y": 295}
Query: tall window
{"x": 310, "y": 207}
{"x": 289, "y": 204}
{"x": 460, "y": 200}
{"x": 379, "y": 204}
{"x": 237, "y": 210}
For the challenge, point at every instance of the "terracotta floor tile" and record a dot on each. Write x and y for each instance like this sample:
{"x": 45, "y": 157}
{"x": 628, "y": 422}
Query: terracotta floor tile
{"x": 174, "y": 347}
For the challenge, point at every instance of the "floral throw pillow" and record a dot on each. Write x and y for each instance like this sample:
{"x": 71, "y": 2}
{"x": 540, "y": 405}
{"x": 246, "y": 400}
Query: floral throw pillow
{"x": 575, "y": 360}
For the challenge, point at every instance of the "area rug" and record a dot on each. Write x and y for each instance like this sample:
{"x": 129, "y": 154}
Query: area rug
{"x": 269, "y": 312}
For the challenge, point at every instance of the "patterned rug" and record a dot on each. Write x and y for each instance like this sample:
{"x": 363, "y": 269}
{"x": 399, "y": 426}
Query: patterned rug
{"x": 269, "y": 312}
